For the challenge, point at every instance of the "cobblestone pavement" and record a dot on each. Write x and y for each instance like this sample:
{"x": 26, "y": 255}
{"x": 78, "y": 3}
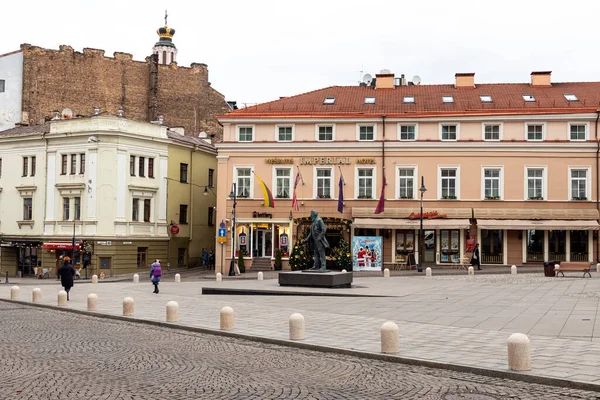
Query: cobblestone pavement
{"x": 48, "y": 354}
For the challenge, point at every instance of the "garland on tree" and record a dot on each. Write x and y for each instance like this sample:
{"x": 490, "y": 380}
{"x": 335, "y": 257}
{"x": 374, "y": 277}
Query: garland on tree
{"x": 300, "y": 258}
{"x": 342, "y": 253}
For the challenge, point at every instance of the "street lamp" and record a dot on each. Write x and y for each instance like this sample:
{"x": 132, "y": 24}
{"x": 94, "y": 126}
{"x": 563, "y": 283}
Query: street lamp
{"x": 422, "y": 189}
{"x": 233, "y": 195}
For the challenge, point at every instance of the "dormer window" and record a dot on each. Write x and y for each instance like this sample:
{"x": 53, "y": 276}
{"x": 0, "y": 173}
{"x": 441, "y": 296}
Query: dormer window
{"x": 409, "y": 99}
{"x": 571, "y": 97}
{"x": 485, "y": 98}
{"x": 447, "y": 99}
{"x": 528, "y": 98}
{"x": 329, "y": 100}
{"x": 369, "y": 100}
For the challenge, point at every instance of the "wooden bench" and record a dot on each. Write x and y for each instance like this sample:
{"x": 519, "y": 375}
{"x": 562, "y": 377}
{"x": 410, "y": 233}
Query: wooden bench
{"x": 582, "y": 266}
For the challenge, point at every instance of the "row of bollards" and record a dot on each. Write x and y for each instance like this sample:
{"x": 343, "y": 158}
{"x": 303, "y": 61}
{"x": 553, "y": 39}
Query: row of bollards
{"x": 470, "y": 271}
{"x": 136, "y": 278}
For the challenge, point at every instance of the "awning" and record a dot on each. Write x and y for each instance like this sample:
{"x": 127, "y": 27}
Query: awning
{"x": 522, "y": 224}
{"x": 61, "y": 245}
{"x": 536, "y": 213}
{"x": 389, "y": 223}
{"x": 403, "y": 213}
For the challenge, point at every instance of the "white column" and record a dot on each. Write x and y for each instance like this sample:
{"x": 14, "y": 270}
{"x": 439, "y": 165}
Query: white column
{"x": 546, "y": 246}
{"x": 524, "y": 246}
{"x": 162, "y": 189}
{"x": 92, "y": 185}
{"x": 590, "y": 241}
{"x": 568, "y": 246}
{"x": 121, "y": 185}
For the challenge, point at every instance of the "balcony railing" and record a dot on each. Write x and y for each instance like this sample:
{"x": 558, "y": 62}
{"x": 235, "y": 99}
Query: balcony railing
{"x": 535, "y": 257}
{"x": 494, "y": 258}
{"x": 579, "y": 256}
{"x": 557, "y": 256}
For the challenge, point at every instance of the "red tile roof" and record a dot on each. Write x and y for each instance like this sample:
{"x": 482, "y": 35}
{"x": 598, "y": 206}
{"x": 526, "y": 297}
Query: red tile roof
{"x": 506, "y": 99}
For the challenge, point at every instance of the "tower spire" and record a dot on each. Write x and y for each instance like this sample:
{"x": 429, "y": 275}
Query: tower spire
{"x": 165, "y": 49}
{"x": 166, "y": 15}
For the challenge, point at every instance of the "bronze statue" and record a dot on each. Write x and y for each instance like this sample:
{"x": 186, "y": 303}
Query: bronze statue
{"x": 317, "y": 242}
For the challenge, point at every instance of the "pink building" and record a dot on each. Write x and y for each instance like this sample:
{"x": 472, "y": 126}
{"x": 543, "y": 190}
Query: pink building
{"x": 514, "y": 166}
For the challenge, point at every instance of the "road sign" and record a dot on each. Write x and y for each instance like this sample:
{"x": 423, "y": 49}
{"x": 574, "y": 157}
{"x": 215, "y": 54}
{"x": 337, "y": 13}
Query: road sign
{"x": 222, "y": 235}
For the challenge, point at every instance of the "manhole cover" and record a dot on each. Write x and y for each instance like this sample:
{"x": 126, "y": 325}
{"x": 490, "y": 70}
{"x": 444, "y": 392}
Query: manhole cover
{"x": 470, "y": 396}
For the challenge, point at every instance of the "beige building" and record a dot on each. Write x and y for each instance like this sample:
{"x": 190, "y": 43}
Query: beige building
{"x": 102, "y": 183}
{"x": 513, "y": 166}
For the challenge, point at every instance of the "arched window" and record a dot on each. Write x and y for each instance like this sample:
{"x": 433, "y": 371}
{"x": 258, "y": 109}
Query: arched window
{"x": 164, "y": 57}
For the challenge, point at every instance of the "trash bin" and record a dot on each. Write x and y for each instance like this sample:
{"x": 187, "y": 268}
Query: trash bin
{"x": 19, "y": 274}
{"x": 549, "y": 268}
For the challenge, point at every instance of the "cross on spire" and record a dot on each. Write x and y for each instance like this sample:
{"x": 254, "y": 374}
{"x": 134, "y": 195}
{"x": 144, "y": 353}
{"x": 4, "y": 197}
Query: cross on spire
{"x": 166, "y": 15}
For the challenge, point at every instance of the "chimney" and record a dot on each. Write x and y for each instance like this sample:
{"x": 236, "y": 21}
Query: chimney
{"x": 465, "y": 80}
{"x": 541, "y": 78}
{"x": 384, "y": 79}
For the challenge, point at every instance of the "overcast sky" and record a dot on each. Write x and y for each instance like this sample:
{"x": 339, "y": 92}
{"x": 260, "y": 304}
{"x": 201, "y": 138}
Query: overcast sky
{"x": 259, "y": 50}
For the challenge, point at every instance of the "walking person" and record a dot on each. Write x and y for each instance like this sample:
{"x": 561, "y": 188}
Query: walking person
{"x": 205, "y": 258}
{"x": 211, "y": 259}
{"x": 66, "y": 273}
{"x": 475, "y": 259}
{"x": 155, "y": 274}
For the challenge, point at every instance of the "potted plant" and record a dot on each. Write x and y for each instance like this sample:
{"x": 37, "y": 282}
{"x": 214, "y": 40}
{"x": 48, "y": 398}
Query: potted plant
{"x": 241, "y": 265}
{"x": 278, "y": 263}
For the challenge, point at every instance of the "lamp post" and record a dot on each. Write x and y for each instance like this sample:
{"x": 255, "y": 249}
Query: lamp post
{"x": 422, "y": 189}
{"x": 233, "y": 195}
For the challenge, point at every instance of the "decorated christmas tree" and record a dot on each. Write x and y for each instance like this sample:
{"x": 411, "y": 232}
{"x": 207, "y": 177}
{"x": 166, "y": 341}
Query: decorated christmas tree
{"x": 342, "y": 254}
{"x": 300, "y": 257}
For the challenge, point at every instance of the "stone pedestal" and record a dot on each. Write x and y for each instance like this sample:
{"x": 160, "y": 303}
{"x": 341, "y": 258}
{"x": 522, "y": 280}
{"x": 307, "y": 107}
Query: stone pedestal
{"x": 92, "y": 302}
{"x": 328, "y": 279}
{"x": 36, "y": 295}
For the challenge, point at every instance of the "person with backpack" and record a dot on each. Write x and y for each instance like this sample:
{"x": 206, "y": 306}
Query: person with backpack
{"x": 66, "y": 274}
{"x": 155, "y": 274}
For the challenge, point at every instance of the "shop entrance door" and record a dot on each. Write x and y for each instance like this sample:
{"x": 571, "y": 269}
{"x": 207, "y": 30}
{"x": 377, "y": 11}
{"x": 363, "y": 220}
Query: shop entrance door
{"x": 264, "y": 243}
{"x": 429, "y": 244}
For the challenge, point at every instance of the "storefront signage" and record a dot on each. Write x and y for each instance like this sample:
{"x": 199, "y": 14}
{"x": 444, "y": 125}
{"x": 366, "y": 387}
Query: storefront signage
{"x": 427, "y": 215}
{"x": 105, "y": 243}
{"x": 256, "y": 214}
{"x": 324, "y": 160}
{"x": 279, "y": 160}
{"x": 174, "y": 230}
{"x": 366, "y": 253}
{"x": 127, "y": 242}
{"x": 365, "y": 161}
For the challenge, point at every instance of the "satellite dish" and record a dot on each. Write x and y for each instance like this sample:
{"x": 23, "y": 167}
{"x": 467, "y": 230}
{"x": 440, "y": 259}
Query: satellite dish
{"x": 367, "y": 78}
{"x": 67, "y": 113}
{"x": 416, "y": 79}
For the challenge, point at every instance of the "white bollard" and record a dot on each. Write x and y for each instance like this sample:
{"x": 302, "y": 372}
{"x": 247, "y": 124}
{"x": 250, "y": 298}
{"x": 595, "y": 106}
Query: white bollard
{"x": 62, "y": 298}
{"x": 519, "y": 352}
{"x": 428, "y": 271}
{"x": 598, "y": 267}
{"x": 136, "y": 278}
{"x": 471, "y": 271}
{"x": 127, "y": 306}
{"x": 92, "y": 302}
{"x": 386, "y": 273}
{"x": 36, "y": 295}
{"x": 14, "y": 293}
{"x": 513, "y": 270}
{"x": 296, "y": 327}
{"x": 226, "y": 318}
{"x": 390, "y": 338}
{"x": 260, "y": 276}
{"x": 94, "y": 278}
{"x": 344, "y": 271}
{"x": 172, "y": 311}
{"x": 556, "y": 266}
{"x": 219, "y": 277}
{"x": 177, "y": 278}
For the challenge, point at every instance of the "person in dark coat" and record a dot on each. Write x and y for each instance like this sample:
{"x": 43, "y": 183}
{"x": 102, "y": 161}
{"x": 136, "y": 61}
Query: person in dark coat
{"x": 66, "y": 273}
{"x": 476, "y": 259}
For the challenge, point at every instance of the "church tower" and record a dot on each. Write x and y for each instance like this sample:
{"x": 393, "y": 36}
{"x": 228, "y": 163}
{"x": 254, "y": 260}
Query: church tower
{"x": 164, "y": 49}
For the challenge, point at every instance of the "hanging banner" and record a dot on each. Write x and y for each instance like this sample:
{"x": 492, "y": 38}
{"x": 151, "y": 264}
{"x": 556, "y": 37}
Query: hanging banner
{"x": 366, "y": 253}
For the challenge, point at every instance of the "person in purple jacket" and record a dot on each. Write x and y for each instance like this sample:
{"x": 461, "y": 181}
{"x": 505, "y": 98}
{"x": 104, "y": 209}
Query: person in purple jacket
{"x": 155, "y": 274}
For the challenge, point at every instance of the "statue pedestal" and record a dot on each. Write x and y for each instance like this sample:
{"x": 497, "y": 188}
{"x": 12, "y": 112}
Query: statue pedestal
{"x": 308, "y": 278}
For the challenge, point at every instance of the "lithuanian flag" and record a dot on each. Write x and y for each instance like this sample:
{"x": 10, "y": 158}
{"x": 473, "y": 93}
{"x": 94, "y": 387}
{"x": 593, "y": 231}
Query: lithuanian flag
{"x": 268, "y": 196}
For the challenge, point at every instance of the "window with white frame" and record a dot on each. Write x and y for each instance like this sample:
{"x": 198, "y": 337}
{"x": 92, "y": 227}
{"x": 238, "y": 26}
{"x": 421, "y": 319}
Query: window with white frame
{"x": 406, "y": 183}
{"x": 243, "y": 182}
{"x": 366, "y": 132}
{"x": 324, "y": 176}
{"x": 283, "y": 178}
{"x": 77, "y": 208}
{"x": 448, "y": 183}
{"x": 365, "y": 183}
{"x": 578, "y": 179}
{"x": 491, "y": 183}
{"x": 577, "y": 131}
{"x": 27, "y": 209}
{"x": 325, "y": 133}
{"x": 245, "y": 133}
{"x": 285, "y": 133}
{"x": 66, "y": 208}
{"x": 449, "y": 132}
{"x": 135, "y": 209}
{"x": 408, "y": 132}
{"x": 535, "y": 183}
{"x": 535, "y": 132}
{"x": 491, "y": 132}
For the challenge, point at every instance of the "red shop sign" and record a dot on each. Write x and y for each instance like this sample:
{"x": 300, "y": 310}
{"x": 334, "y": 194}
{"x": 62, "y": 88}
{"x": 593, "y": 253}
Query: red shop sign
{"x": 174, "y": 230}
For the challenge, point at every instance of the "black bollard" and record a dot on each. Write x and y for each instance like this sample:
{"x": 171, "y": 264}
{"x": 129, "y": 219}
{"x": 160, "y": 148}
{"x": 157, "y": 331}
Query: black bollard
{"x": 6, "y": 276}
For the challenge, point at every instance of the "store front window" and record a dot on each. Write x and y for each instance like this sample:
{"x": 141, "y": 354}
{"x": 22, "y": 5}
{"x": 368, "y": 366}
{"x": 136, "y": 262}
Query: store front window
{"x": 579, "y": 245}
{"x": 535, "y": 246}
{"x": 449, "y": 245}
{"x": 365, "y": 232}
{"x": 557, "y": 245}
{"x": 242, "y": 241}
{"x": 405, "y": 242}
{"x": 492, "y": 246}
{"x": 282, "y": 240}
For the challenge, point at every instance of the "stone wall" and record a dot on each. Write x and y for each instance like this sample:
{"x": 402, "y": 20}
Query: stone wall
{"x": 64, "y": 78}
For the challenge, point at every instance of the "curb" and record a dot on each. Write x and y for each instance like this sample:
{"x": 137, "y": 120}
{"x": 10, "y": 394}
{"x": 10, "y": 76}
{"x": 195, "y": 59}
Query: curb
{"x": 259, "y": 292}
{"x": 516, "y": 376}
